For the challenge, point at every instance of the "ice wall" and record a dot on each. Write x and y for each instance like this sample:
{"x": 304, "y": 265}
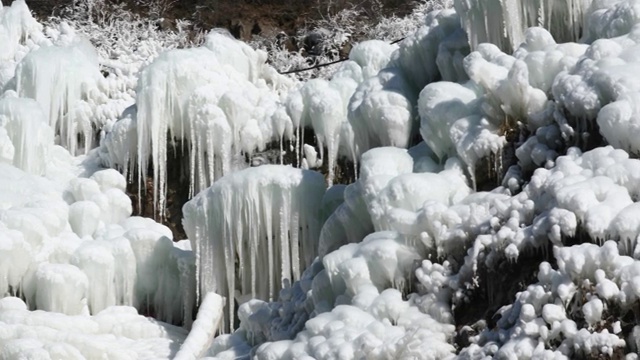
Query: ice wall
{"x": 254, "y": 231}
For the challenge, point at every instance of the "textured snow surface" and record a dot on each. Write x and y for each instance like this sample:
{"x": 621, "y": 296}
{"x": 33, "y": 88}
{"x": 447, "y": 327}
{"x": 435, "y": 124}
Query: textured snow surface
{"x": 534, "y": 101}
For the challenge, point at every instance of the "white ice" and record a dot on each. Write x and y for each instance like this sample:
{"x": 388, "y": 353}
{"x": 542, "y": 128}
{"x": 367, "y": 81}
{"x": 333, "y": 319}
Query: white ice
{"x": 372, "y": 269}
{"x": 263, "y": 222}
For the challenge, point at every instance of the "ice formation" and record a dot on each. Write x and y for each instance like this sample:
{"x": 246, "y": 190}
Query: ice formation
{"x": 393, "y": 265}
{"x": 503, "y": 22}
{"x": 61, "y": 79}
{"x": 322, "y": 105}
{"x": 212, "y": 102}
{"x": 204, "y": 328}
{"x": 29, "y": 136}
{"x": 262, "y": 220}
{"x": 19, "y": 33}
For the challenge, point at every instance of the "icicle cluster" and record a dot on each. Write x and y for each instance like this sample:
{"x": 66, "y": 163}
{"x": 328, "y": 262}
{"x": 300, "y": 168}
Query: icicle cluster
{"x": 214, "y": 101}
{"x": 29, "y": 137}
{"x": 19, "y": 32}
{"x": 254, "y": 231}
{"x": 503, "y": 22}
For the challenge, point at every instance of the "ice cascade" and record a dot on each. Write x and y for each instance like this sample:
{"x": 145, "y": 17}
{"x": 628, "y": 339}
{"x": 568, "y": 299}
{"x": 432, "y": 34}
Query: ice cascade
{"x": 62, "y": 79}
{"x": 29, "y": 136}
{"x": 262, "y": 220}
{"x": 200, "y": 100}
{"x": 503, "y": 22}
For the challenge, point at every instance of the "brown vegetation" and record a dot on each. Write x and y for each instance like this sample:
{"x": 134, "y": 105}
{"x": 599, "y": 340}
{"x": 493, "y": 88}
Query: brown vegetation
{"x": 243, "y": 18}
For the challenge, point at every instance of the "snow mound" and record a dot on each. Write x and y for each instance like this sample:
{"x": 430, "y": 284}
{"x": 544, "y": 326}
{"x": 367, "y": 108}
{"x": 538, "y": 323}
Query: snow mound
{"x": 118, "y": 332}
{"x": 75, "y": 249}
{"x": 357, "y": 300}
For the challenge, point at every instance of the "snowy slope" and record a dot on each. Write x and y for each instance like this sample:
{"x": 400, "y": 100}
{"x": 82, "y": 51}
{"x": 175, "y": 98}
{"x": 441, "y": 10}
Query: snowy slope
{"x": 535, "y": 101}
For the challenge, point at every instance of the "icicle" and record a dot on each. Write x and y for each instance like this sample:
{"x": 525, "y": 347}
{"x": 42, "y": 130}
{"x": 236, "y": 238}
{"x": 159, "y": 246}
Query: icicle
{"x": 294, "y": 223}
{"x": 472, "y": 173}
{"x": 289, "y": 264}
{"x": 301, "y": 142}
{"x": 298, "y": 149}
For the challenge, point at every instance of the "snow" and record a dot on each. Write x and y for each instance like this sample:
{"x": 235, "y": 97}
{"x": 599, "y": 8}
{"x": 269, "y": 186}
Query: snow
{"x": 117, "y": 332}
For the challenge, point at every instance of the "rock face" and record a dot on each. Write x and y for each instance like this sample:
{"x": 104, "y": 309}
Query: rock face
{"x": 177, "y": 195}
